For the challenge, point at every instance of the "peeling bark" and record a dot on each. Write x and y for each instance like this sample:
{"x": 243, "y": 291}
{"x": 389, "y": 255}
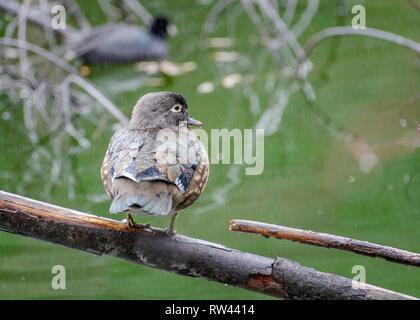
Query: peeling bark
{"x": 178, "y": 254}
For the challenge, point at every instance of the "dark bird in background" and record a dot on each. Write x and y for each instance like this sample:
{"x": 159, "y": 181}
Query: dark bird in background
{"x": 109, "y": 43}
{"x": 121, "y": 43}
{"x": 136, "y": 172}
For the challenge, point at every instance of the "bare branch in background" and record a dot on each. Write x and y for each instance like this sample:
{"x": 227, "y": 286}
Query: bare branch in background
{"x": 217, "y": 9}
{"x": 367, "y": 32}
{"x": 49, "y": 32}
{"x": 284, "y": 49}
{"x": 290, "y": 12}
{"x": 255, "y": 18}
{"x": 301, "y": 70}
{"x": 51, "y": 94}
{"x": 48, "y": 55}
{"x": 79, "y": 16}
{"x": 280, "y": 277}
{"x": 305, "y": 18}
{"x": 35, "y": 17}
{"x": 23, "y": 13}
{"x": 47, "y": 109}
{"x": 75, "y": 78}
{"x": 280, "y": 26}
{"x": 90, "y": 88}
{"x": 278, "y": 33}
{"x": 139, "y": 10}
{"x": 109, "y": 10}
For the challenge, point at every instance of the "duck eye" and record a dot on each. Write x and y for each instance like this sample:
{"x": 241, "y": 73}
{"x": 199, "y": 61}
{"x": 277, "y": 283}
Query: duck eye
{"x": 176, "y": 108}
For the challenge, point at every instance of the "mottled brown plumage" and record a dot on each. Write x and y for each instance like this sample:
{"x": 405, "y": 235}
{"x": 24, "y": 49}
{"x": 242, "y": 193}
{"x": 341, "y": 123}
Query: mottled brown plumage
{"x": 157, "y": 165}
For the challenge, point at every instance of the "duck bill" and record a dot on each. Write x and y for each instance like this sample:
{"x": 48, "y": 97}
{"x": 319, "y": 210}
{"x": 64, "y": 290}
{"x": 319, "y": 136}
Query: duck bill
{"x": 193, "y": 122}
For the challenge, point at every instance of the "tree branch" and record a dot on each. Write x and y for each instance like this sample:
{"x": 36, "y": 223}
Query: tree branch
{"x": 344, "y": 31}
{"x": 36, "y": 18}
{"x": 368, "y": 32}
{"x": 178, "y": 254}
{"x": 327, "y": 241}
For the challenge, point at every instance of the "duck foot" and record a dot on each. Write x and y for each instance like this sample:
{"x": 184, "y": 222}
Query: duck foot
{"x": 132, "y": 224}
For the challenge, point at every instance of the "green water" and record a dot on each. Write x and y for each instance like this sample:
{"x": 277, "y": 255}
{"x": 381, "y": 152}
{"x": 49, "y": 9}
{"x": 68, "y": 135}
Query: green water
{"x": 311, "y": 180}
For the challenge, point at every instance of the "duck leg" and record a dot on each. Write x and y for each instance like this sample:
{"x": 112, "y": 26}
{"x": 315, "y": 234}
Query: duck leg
{"x": 132, "y": 224}
{"x": 170, "y": 229}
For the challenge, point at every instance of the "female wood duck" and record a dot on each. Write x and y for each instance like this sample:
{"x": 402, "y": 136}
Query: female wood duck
{"x": 155, "y": 166}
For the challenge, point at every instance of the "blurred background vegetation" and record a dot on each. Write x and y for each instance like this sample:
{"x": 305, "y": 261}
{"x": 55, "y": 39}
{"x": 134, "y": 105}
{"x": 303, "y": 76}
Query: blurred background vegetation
{"x": 313, "y": 176}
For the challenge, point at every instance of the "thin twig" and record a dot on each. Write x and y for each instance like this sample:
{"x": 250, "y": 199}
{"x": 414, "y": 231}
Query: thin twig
{"x": 39, "y": 51}
{"x": 214, "y": 13}
{"x": 140, "y": 11}
{"x": 301, "y": 73}
{"x": 327, "y": 241}
{"x": 49, "y": 32}
{"x": 95, "y": 93}
{"x": 23, "y": 57}
{"x": 290, "y": 12}
{"x": 367, "y": 32}
{"x": 305, "y": 18}
{"x": 78, "y": 14}
{"x": 281, "y": 27}
{"x": 74, "y": 77}
{"x": 109, "y": 10}
{"x": 36, "y": 18}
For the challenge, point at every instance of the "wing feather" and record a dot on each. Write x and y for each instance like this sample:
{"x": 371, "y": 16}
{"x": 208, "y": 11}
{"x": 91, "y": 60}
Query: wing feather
{"x": 142, "y": 156}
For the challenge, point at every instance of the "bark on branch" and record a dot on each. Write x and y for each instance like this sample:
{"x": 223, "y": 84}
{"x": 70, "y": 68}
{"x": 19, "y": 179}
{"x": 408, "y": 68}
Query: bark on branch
{"x": 178, "y": 254}
{"x": 327, "y": 241}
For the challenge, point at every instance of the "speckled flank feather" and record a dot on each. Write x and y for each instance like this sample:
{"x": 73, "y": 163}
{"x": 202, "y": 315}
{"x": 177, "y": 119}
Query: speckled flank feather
{"x": 198, "y": 182}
